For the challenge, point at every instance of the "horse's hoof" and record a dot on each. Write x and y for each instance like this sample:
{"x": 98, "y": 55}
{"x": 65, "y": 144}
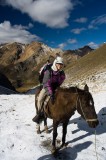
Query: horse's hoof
{"x": 38, "y": 132}
{"x": 64, "y": 145}
{"x": 47, "y": 132}
{"x": 46, "y": 129}
{"x": 53, "y": 151}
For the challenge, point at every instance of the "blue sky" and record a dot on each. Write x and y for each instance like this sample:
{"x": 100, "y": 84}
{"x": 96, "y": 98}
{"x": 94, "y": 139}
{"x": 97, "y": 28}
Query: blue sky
{"x": 65, "y": 24}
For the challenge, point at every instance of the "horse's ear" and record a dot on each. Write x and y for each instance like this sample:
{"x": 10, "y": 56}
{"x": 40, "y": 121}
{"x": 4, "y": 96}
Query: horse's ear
{"x": 86, "y": 88}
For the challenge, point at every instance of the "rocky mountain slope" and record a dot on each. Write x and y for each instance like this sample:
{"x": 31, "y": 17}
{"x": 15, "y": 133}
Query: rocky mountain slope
{"x": 6, "y": 91}
{"x": 18, "y": 60}
{"x": 4, "y": 82}
{"x": 21, "y": 63}
{"x": 90, "y": 69}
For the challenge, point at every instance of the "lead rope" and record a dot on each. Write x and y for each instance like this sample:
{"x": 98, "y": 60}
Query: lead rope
{"x": 87, "y": 120}
{"x": 96, "y": 147}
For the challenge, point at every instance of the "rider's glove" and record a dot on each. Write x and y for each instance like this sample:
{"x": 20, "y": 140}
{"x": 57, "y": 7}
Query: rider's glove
{"x": 52, "y": 97}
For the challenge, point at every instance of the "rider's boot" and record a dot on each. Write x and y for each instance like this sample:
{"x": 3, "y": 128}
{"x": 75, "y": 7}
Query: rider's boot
{"x": 39, "y": 117}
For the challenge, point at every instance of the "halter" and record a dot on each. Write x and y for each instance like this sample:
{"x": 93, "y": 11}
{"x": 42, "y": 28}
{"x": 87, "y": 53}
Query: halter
{"x": 88, "y": 120}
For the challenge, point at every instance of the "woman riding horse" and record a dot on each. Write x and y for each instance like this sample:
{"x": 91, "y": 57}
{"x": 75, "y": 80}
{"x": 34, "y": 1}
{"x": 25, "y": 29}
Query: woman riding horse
{"x": 53, "y": 78}
{"x": 67, "y": 101}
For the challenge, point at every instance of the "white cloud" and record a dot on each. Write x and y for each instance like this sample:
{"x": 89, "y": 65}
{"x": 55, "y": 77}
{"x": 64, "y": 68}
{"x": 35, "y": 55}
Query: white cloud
{"x": 98, "y": 21}
{"x": 93, "y": 45}
{"x": 16, "y": 33}
{"x": 53, "y": 13}
{"x": 69, "y": 41}
{"x": 62, "y": 45}
{"x": 72, "y": 41}
{"x": 81, "y": 20}
{"x": 77, "y": 30}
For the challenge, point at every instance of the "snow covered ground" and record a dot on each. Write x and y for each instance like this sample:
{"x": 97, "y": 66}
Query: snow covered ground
{"x": 19, "y": 140}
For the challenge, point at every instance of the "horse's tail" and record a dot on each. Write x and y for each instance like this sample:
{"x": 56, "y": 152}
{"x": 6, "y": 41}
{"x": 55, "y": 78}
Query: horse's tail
{"x": 36, "y": 104}
{"x": 36, "y": 98}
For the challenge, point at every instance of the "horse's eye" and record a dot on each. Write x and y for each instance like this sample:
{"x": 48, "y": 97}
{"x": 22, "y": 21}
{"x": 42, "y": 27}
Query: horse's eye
{"x": 90, "y": 102}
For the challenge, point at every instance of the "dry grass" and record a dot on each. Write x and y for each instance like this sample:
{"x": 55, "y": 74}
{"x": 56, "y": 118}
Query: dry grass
{"x": 88, "y": 65}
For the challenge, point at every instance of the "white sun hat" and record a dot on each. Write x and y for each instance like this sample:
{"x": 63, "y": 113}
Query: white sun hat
{"x": 59, "y": 60}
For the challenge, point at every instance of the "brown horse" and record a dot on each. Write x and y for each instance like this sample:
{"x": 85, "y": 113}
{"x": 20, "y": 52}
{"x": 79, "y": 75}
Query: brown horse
{"x": 67, "y": 101}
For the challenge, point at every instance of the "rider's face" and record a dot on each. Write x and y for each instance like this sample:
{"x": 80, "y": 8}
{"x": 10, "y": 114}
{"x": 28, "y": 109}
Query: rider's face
{"x": 59, "y": 66}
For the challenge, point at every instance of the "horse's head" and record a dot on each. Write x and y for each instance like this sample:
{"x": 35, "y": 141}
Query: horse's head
{"x": 86, "y": 107}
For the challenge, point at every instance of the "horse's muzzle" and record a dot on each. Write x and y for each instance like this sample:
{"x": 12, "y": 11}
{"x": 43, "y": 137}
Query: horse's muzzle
{"x": 93, "y": 124}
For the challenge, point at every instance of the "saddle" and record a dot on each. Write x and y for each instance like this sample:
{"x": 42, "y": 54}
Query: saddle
{"x": 46, "y": 100}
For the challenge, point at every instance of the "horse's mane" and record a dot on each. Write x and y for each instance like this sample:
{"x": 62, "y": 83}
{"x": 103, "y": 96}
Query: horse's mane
{"x": 75, "y": 90}
{"x": 71, "y": 89}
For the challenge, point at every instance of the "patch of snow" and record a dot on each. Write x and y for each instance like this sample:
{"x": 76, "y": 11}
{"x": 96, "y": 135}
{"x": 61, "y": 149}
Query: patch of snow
{"x": 95, "y": 82}
{"x": 19, "y": 140}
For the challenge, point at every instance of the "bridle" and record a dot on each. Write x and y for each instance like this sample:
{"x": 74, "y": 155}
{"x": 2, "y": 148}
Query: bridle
{"x": 87, "y": 120}
{"x": 78, "y": 100}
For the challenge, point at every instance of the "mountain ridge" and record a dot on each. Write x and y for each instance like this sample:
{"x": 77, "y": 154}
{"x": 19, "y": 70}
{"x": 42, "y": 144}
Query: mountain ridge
{"x": 88, "y": 68}
{"x": 18, "y": 60}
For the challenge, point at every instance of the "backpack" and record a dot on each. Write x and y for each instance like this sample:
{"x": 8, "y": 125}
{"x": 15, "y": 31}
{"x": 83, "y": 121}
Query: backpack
{"x": 41, "y": 75}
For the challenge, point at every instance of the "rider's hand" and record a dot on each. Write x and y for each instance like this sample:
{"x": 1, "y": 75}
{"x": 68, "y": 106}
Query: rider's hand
{"x": 52, "y": 98}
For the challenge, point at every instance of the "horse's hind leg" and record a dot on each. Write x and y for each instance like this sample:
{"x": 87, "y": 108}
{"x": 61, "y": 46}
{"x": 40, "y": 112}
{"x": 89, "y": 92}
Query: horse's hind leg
{"x": 55, "y": 125}
{"x": 64, "y": 132}
{"x": 45, "y": 124}
{"x": 38, "y": 128}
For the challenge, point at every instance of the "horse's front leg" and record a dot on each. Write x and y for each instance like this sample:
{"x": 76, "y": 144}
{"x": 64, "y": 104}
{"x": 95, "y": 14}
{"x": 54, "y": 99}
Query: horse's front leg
{"x": 64, "y": 132}
{"x": 45, "y": 124}
{"x": 38, "y": 128}
{"x": 55, "y": 125}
